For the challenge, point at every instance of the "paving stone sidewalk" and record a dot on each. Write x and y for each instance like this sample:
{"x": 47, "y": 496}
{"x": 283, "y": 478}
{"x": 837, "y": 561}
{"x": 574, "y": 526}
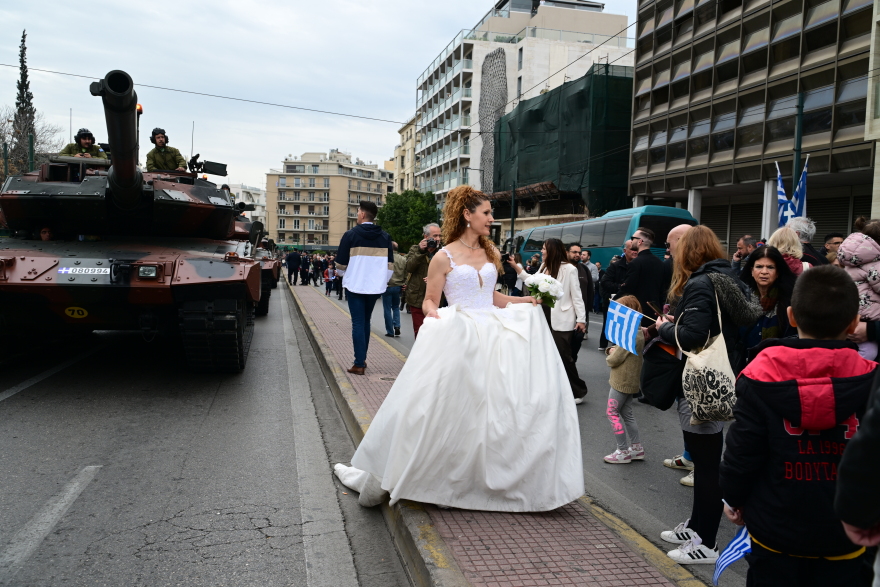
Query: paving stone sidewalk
{"x": 568, "y": 546}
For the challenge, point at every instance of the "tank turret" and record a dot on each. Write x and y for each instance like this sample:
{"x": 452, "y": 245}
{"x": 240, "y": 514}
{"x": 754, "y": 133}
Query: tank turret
{"x": 125, "y": 180}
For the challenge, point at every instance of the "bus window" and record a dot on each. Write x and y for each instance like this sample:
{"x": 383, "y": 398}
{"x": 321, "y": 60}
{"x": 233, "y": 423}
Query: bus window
{"x": 536, "y": 241}
{"x": 593, "y": 233}
{"x": 661, "y": 225}
{"x": 616, "y": 231}
{"x": 518, "y": 242}
{"x": 571, "y": 234}
{"x": 553, "y": 233}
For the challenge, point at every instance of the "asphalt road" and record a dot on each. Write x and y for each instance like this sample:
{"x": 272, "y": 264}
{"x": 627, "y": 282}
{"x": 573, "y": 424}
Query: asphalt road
{"x": 647, "y": 495}
{"x": 120, "y": 468}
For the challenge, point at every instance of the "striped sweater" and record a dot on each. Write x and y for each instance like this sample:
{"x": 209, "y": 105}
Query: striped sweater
{"x": 365, "y": 259}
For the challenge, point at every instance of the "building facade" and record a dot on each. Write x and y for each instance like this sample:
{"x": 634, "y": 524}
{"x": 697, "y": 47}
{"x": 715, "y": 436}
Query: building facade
{"x": 250, "y": 195}
{"x": 404, "y": 158}
{"x": 872, "y": 124}
{"x": 718, "y": 88}
{"x": 519, "y": 49}
{"x": 312, "y": 200}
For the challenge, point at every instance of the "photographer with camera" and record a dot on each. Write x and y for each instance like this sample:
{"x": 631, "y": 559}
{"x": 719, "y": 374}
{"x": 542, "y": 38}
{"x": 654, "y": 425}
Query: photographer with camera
{"x": 417, "y": 262}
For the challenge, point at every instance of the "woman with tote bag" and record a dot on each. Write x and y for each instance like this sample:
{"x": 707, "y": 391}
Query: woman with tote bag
{"x": 714, "y": 305}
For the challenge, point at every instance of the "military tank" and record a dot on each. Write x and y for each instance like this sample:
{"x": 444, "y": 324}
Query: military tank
{"x": 130, "y": 250}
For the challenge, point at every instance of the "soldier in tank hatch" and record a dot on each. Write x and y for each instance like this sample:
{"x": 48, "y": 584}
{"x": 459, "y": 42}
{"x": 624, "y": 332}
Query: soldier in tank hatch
{"x": 83, "y": 146}
{"x": 162, "y": 156}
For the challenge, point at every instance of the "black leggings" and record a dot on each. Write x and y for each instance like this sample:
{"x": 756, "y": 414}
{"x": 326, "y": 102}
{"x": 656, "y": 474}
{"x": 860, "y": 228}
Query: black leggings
{"x": 706, "y": 513}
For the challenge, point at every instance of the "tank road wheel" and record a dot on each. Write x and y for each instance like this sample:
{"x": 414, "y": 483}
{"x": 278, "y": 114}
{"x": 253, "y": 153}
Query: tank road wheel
{"x": 265, "y": 294}
{"x": 217, "y": 334}
{"x": 275, "y": 281}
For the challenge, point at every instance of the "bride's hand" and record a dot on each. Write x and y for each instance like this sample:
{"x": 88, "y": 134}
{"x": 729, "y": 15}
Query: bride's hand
{"x": 531, "y": 300}
{"x": 432, "y": 314}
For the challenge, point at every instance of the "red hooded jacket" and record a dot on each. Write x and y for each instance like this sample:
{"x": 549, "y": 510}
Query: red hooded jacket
{"x": 799, "y": 403}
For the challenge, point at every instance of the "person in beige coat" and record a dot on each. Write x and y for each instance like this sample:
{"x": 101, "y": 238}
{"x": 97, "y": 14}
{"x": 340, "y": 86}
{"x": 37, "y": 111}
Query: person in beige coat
{"x": 569, "y": 313}
{"x": 626, "y": 369}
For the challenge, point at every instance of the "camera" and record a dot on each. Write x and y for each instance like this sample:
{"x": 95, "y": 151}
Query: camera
{"x": 432, "y": 244}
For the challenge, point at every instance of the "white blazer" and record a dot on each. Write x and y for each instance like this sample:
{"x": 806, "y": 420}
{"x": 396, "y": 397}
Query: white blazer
{"x": 570, "y": 309}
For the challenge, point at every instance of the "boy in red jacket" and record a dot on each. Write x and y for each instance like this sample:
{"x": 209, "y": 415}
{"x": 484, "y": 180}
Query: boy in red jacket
{"x": 799, "y": 403}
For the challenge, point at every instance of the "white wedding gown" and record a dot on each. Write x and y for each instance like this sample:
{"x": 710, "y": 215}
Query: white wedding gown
{"x": 481, "y": 416}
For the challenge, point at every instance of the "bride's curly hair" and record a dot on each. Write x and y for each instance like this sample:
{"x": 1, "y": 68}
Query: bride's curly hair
{"x": 459, "y": 199}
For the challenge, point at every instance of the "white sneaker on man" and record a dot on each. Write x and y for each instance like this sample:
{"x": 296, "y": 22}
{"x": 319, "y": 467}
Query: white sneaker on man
{"x": 688, "y": 479}
{"x": 693, "y": 552}
{"x": 680, "y": 534}
{"x": 679, "y": 462}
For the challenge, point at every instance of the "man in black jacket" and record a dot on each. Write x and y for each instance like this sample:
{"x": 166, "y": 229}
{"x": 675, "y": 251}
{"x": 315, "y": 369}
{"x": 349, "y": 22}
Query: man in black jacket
{"x": 586, "y": 282}
{"x": 800, "y": 401}
{"x": 293, "y": 261}
{"x": 611, "y": 281}
{"x": 644, "y": 275}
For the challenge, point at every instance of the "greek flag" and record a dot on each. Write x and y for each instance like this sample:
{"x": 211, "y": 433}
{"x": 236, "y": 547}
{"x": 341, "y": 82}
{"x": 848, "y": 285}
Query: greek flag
{"x": 784, "y": 205}
{"x": 740, "y": 546}
{"x": 622, "y": 326}
{"x": 799, "y": 199}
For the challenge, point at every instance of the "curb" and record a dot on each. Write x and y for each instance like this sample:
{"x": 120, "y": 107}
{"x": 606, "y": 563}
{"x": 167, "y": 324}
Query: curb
{"x": 642, "y": 546}
{"x": 426, "y": 556}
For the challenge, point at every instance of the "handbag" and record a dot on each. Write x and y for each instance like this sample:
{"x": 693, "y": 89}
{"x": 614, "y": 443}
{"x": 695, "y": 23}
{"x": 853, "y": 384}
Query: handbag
{"x": 661, "y": 375}
{"x": 707, "y": 381}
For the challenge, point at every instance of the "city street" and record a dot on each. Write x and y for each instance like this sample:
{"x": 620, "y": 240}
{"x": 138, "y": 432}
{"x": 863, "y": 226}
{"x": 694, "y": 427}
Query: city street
{"x": 120, "y": 468}
{"x": 647, "y": 495}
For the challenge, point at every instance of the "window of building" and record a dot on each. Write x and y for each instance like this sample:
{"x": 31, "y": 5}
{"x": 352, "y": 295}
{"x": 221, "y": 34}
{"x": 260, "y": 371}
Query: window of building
{"x": 311, "y": 196}
{"x": 519, "y": 59}
{"x": 359, "y": 185}
{"x": 281, "y": 222}
{"x": 296, "y": 223}
{"x": 296, "y": 209}
{"x": 296, "y": 196}
{"x": 326, "y": 210}
{"x": 297, "y": 182}
{"x": 311, "y": 210}
{"x": 311, "y": 224}
{"x": 326, "y": 182}
{"x": 282, "y": 208}
{"x": 315, "y": 169}
{"x": 722, "y": 131}
{"x": 311, "y": 182}
{"x": 282, "y": 195}
{"x": 282, "y": 181}
{"x": 519, "y": 86}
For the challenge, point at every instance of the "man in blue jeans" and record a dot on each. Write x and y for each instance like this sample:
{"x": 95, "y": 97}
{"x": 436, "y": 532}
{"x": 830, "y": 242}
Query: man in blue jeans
{"x": 391, "y": 297}
{"x": 366, "y": 260}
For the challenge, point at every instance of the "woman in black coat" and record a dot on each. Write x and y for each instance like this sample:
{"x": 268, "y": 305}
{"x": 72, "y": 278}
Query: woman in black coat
{"x": 701, "y": 273}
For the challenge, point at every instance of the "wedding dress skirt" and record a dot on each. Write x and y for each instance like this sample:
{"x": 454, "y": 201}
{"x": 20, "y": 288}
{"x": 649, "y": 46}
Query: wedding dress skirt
{"x": 481, "y": 417}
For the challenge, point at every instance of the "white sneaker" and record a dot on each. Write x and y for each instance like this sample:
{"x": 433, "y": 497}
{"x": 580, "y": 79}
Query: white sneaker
{"x": 680, "y": 534}
{"x": 688, "y": 479}
{"x": 694, "y": 553}
{"x": 618, "y": 457}
{"x": 636, "y": 453}
{"x": 679, "y": 462}
{"x": 579, "y": 400}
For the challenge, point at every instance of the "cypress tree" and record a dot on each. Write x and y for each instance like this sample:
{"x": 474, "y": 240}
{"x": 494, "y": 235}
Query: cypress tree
{"x": 25, "y": 113}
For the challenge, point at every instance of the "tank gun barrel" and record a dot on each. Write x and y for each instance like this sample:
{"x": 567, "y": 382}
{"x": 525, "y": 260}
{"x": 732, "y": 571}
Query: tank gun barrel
{"x": 120, "y": 111}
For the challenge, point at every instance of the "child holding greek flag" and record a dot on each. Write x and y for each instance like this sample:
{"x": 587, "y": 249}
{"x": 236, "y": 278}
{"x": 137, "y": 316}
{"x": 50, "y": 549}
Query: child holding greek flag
{"x": 625, "y": 360}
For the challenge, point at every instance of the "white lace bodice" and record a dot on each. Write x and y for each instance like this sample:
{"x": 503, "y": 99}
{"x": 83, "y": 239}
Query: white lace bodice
{"x": 463, "y": 285}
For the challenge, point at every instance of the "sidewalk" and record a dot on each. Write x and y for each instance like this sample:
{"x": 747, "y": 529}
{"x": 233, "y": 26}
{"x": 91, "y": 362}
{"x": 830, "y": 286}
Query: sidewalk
{"x": 578, "y": 544}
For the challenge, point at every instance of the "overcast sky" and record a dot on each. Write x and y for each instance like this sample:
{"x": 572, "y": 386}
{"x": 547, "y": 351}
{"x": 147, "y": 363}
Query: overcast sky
{"x": 355, "y": 57}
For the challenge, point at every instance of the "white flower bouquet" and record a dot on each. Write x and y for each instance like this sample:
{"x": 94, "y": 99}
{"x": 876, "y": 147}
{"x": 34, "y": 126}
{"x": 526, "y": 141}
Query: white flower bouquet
{"x": 543, "y": 287}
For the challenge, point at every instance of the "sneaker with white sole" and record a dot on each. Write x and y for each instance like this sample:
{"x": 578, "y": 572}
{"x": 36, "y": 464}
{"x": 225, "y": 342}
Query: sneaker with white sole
{"x": 687, "y": 480}
{"x": 694, "y": 553}
{"x": 618, "y": 457}
{"x": 579, "y": 400}
{"x": 636, "y": 452}
{"x": 680, "y": 534}
{"x": 679, "y": 462}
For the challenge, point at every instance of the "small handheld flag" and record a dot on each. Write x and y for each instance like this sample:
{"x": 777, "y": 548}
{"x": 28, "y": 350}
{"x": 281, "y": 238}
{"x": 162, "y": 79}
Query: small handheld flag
{"x": 799, "y": 199}
{"x": 740, "y": 546}
{"x": 622, "y": 326}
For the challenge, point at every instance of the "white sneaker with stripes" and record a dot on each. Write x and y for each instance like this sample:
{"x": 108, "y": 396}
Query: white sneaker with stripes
{"x": 694, "y": 553}
{"x": 680, "y": 534}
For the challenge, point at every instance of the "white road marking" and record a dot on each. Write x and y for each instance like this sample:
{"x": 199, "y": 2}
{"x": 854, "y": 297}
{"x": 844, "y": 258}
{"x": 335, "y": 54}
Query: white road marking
{"x": 329, "y": 562}
{"x": 45, "y": 374}
{"x": 20, "y": 548}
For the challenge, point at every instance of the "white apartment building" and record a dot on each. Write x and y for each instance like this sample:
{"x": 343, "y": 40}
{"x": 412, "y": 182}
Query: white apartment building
{"x": 250, "y": 195}
{"x": 519, "y": 49}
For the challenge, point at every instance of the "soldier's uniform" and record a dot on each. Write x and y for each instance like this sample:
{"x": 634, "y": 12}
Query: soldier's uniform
{"x": 165, "y": 158}
{"x": 75, "y": 149}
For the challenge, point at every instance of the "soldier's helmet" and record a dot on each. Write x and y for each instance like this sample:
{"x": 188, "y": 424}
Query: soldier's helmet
{"x": 83, "y": 132}
{"x": 158, "y": 131}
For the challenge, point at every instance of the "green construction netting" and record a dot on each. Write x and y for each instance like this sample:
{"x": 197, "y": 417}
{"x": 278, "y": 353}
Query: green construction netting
{"x": 576, "y": 135}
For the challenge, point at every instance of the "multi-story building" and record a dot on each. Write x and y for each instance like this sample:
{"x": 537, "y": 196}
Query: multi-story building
{"x": 716, "y": 102}
{"x": 404, "y": 158}
{"x": 312, "y": 200}
{"x": 519, "y": 49}
{"x": 872, "y": 124}
{"x": 250, "y": 195}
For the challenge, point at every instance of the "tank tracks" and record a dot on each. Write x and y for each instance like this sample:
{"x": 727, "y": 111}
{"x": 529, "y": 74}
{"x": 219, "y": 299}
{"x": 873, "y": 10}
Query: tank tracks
{"x": 217, "y": 334}
{"x": 265, "y": 293}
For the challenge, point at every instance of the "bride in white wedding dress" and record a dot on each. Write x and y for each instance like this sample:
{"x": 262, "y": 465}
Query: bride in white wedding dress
{"x": 481, "y": 416}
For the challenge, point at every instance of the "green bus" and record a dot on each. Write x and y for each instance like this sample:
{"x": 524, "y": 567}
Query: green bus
{"x": 604, "y": 236}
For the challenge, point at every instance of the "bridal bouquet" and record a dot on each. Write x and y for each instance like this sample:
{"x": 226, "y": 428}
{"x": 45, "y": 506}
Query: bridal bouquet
{"x": 545, "y": 288}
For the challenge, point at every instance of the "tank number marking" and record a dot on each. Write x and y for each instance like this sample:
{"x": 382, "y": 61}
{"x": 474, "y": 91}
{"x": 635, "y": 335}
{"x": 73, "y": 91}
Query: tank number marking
{"x": 75, "y": 312}
{"x": 85, "y": 270}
